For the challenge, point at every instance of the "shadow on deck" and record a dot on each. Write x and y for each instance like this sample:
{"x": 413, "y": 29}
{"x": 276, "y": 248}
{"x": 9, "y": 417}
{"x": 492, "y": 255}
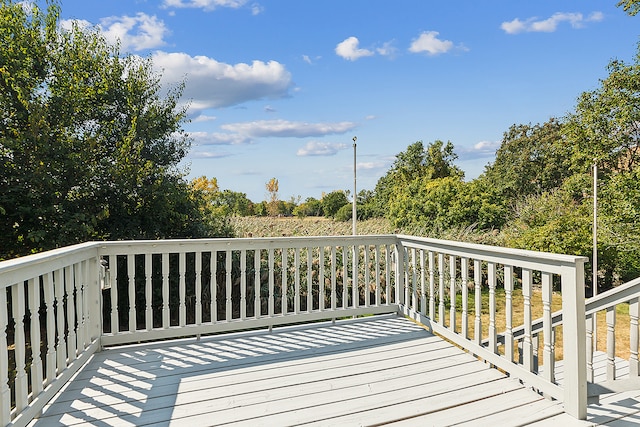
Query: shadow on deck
{"x": 371, "y": 371}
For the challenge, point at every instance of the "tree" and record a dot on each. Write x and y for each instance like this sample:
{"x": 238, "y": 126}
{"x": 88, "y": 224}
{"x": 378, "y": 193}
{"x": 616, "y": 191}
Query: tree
{"x": 632, "y": 7}
{"x": 332, "y": 202}
{"x": 532, "y": 159}
{"x": 310, "y": 207}
{"x": 272, "y": 187}
{"x": 89, "y": 147}
{"x": 606, "y": 123}
{"x": 436, "y": 161}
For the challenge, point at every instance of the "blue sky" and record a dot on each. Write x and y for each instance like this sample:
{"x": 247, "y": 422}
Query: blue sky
{"x": 278, "y": 88}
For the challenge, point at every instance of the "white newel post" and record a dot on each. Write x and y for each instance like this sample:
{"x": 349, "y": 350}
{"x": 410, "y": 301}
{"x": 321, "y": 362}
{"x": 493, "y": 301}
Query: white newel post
{"x": 95, "y": 283}
{"x": 574, "y": 342}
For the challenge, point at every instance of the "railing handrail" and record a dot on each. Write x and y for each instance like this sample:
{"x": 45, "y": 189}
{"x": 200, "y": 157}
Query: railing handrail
{"x": 13, "y": 270}
{"x": 497, "y": 254}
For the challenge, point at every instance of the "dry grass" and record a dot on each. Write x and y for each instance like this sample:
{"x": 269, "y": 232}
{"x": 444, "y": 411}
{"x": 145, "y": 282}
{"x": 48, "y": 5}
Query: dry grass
{"x": 310, "y": 226}
{"x": 622, "y": 329}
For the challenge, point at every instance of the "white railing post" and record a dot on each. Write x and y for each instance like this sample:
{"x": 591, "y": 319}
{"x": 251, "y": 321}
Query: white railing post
{"x": 400, "y": 284}
{"x": 5, "y": 391}
{"x": 574, "y": 343}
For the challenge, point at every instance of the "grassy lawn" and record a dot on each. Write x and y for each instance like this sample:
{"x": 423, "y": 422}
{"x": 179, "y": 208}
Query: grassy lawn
{"x": 621, "y": 331}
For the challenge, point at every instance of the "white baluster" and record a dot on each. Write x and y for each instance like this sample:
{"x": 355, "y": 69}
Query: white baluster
{"x": 296, "y": 294}
{"x": 113, "y": 266}
{"x": 5, "y": 391}
{"x": 285, "y": 284}
{"x": 21, "y": 387}
{"x": 441, "y": 288}
{"x": 182, "y": 289}
{"x": 527, "y": 344}
{"x": 634, "y": 309}
{"x": 148, "y": 291}
{"x": 432, "y": 286}
{"x": 51, "y": 328}
{"x": 70, "y": 284}
{"x": 547, "y": 346}
{"x": 165, "y": 291}
{"x": 213, "y": 286}
{"x": 508, "y": 334}
{"x": 464, "y": 277}
{"x": 257, "y": 304}
{"x": 271, "y": 283}
{"x": 423, "y": 284}
{"x": 414, "y": 279}
{"x": 322, "y": 304}
{"x": 228, "y": 285}
{"x": 345, "y": 275}
{"x": 82, "y": 306}
{"x": 589, "y": 323}
{"x": 452, "y": 293}
{"x": 611, "y": 343}
{"x": 377, "y": 273}
{"x": 389, "y": 261}
{"x": 477, "y": 280}
{"x": 243, "y": 284}
{"x": 198, "y": 284}
{"x": 310, "y": 279}
{"x": 58, "y": 279}
{"x": 334, "y": 262}
{"x": 131, "y": 290}
{"x": 493, "y": 335}
{"x": 355, "y": 290}
{"x": 367, "y": 276}
{"x": 36, "y": 358}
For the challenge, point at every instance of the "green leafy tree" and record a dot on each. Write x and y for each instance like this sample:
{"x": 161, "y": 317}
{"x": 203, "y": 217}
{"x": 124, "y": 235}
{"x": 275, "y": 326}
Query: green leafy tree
{"x": 417, "y": 162}
{"x": 532, "y": 159}
{"x": 310, "y": 207}
{"x": 556, "y": 221}
{"x": 606, "y": 124}
{"x": 332, "y": 202}
{"x": 632, "y": 7}
{"x": 619, "y": 226}
{"x": 89, "y": 148}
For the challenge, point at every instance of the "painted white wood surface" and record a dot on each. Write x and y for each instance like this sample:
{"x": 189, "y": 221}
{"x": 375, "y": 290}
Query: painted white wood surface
{"x": 356, "y": 372}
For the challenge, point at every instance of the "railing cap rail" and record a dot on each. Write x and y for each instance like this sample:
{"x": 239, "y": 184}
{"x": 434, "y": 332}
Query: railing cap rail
{"x": 475, "y": 248}
{"x": 27, "y": 267}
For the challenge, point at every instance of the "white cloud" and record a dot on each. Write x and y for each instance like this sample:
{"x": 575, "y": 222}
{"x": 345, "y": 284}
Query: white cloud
{"x": 207, "y": 155}
{"x": 284, "y": 128}
{"x": 429, "y": 42}
{"x": 213, "y": 84}
{"x": 480, "y": 150}
{"x": 135, "y": 33}
{"x": 348, "y": 49}
{"x": 549, "y": 25}
{"x": 256, "y": 9}
{"x": 317, "y": 148}
{"x": 387, "y": 49}
{"x": 204, "y": 118}
{"x": 217, "y": 138}
{"x": 204, "y": 4}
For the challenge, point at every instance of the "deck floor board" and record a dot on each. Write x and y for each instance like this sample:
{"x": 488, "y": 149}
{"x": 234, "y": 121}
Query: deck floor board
{"x": 372, "y": 371}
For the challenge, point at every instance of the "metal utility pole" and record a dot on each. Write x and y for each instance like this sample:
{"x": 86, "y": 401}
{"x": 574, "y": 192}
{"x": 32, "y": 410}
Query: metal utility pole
{"x": 353, "y": 210}
{"x": 595, "y": 229}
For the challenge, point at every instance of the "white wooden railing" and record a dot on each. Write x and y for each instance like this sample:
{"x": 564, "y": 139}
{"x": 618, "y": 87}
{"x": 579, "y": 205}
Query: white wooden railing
{"x": 64, "y": 305}
{"x": 437, "y": 272}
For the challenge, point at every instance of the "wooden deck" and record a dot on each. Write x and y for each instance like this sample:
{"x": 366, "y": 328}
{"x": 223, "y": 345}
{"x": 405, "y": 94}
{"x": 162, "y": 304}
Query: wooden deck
{"x": 374, "y": 371}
